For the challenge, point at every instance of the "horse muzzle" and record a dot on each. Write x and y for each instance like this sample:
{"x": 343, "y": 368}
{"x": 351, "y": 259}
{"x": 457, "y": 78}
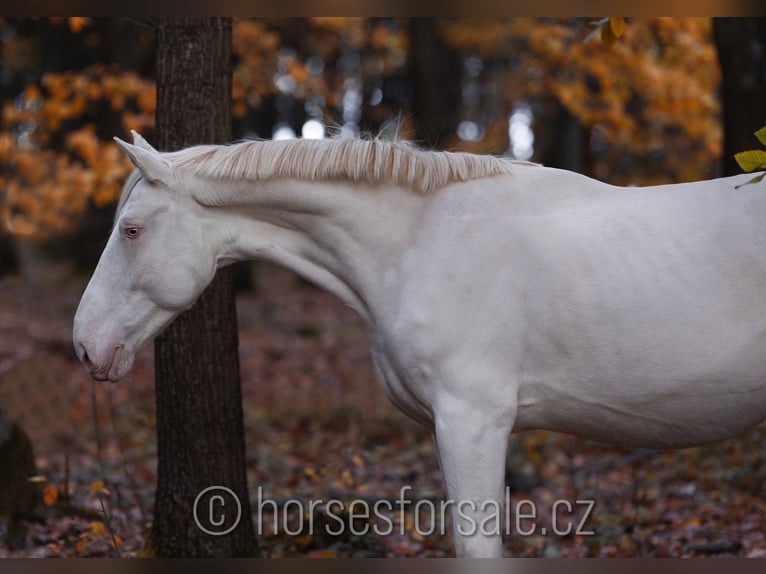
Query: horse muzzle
{"x": 108, "y": 367}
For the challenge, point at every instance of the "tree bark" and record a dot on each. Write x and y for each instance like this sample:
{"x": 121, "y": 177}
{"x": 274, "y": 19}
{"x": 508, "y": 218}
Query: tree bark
{"x": 200, "y": 431}
{"x": 741, "y": 45}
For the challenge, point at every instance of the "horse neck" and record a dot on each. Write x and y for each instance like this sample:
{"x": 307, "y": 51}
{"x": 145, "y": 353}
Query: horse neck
{"x": 341, "y": 236}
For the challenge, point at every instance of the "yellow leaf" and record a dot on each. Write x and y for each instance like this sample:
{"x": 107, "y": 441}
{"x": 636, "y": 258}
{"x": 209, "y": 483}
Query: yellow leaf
{"x": 751, "y": 160}
{"x": 50, "y": 495}
{"x": 617, "y": 25}
{"x": 96, "y": 487}
{"x": 607, "y": 36}
{"x": 756, "y": 179}
{"x": 97, "y": 528}
{"x": 761, "y": 135}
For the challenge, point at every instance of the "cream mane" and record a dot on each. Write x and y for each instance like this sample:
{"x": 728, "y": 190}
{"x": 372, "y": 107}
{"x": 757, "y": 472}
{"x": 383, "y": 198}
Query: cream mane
{"x": 358, "y": 160}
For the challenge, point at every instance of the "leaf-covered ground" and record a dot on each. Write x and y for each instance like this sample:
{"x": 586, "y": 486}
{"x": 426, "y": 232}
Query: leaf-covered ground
{"x": 319, "y": 427}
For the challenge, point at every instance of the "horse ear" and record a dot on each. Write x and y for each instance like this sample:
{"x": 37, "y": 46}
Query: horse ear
{"x": 149, "y": 161}
{"x": 139, "y": 141}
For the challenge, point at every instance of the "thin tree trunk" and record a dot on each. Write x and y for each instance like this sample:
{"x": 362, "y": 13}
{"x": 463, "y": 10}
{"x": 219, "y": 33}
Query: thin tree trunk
{"x": 741, "y": 45}
{"x": 436, "y": 75}
{"x": 569, "y": 147}
{"x": 200, "y": 434}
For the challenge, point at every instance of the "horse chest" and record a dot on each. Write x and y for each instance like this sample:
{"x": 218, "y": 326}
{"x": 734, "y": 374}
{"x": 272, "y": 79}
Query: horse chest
{"x": 400, "y": 385}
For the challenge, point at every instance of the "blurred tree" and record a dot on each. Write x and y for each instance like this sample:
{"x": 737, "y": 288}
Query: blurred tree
{"x": 436, "y": 79}
{"x": 200, "y": 434}
{"x": 640, "y": 109}
{"x": 569, "y": 146}
{"x": 741, "y": 45}
{"x": 63, "y": 100}
{"x": 647, "y": 101}
{"x": 8, "y": 260}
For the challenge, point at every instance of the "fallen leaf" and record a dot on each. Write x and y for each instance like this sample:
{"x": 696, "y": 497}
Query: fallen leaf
{"x": 50, "y": 495}
{"x": 97, "y": 528}
{"x": 117, "y": 542}
{"x": 96, "y": 487}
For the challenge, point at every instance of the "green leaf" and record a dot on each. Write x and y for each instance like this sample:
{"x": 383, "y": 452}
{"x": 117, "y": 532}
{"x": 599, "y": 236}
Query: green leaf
{"x": 761, "y": 135}
{"x": 756, "y": 179}
{"x": 751, "y": 160}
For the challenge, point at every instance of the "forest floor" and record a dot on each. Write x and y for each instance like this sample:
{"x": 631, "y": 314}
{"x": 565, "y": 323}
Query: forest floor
{"x": 318, "y": 426}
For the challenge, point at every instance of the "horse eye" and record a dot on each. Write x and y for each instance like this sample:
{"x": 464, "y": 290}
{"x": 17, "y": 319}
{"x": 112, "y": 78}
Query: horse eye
{"x": 132, "y": 232}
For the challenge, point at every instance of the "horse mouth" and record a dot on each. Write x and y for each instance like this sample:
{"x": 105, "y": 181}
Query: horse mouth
{"x": 112, "y": 371}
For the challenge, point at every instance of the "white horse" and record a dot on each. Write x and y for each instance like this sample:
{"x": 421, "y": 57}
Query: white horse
{"x": 500, "y": 296}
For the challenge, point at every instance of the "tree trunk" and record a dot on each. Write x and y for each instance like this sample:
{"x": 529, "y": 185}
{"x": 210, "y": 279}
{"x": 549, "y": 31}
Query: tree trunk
{"x": 569, "y": 146}
{"x": 436, "y": 78}
{"x": 200, "y": 433}
{"x": 741, "y": 45}
{"x": 8, "y": 260}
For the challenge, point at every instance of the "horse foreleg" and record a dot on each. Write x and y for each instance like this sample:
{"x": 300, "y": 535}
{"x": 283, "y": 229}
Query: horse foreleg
{"x": 472, "y": 447}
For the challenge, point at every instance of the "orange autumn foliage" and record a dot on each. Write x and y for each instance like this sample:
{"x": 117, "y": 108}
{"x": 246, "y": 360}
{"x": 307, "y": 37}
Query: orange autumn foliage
{"x": 650, "y": 95}
{"x": 649, "y": 92}
{"x": 48, "y": 186}
{"x": 48, "y": 190}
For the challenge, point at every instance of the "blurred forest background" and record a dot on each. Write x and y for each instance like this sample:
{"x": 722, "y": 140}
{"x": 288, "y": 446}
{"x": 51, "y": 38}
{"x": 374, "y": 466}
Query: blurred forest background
{"x": 642, "y": 110}
{"x": 634, "y": 102}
